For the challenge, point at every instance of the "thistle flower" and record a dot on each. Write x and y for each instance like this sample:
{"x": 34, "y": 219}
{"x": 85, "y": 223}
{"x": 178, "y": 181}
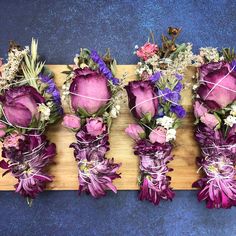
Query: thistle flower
{"x": 154, "y": 158}
{"x": 96, "y": 172}
{"x": 26, "y": 157}
{"x": 218, "y": 186}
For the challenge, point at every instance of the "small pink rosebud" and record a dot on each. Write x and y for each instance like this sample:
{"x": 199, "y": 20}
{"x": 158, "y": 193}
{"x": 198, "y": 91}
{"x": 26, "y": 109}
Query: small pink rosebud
{"x": 199, "y": 109}
{"x": 158, "y": 135}
{"x": 95, "y": 126}
{"x": 135, "y": 131}
{"x": 71, "y": 122}
{"x": 209, "y": 120}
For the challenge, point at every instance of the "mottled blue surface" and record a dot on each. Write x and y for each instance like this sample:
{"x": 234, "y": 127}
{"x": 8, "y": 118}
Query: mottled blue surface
{"x": 62, "y": 27}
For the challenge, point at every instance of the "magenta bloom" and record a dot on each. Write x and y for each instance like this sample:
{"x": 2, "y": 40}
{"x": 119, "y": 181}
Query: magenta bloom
{"x": 27, "y": 156}
{"x": 89, "y": 90}
{"x": 96, "y": 172}
{"x": 218, "y": 84}
{"x": 20, "y": 105}
{"x": 142, "y": 98}
{"x": 155, "y": 184}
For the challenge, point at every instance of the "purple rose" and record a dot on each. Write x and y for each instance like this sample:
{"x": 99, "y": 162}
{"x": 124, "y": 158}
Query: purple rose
{"x": 3, "y": 128}
{"x": 218, "y": 84}
{"x": 89, "y": 90}
{"x": 142, "y": 98}
{"x": 20, "y": 105}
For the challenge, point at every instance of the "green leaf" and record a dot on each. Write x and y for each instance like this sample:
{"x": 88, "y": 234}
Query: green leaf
{"x": 83, "y": 112}
{"x": 142, "y": 135}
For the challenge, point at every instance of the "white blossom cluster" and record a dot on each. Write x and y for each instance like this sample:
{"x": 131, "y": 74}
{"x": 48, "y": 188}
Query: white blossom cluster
{"x": 167, "y": 123}
{"x": 116, "y": 101}
{"x": 182, "y": 61}
{"x": 65, "y": 90}
{"x": 231, "y": 119}
{"x": 11, "y": 68}
{"x": 207, "y": 54}
{"x": 177, "y": 65}
{"x": 44, "y": 111}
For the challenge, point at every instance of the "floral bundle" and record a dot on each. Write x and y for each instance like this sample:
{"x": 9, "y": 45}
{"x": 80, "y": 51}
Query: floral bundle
{"x": 94, "y": 95}
{"x": 154, "y": 100}
{"x": 215, "y": 112}
{"x": 29, "y": 102}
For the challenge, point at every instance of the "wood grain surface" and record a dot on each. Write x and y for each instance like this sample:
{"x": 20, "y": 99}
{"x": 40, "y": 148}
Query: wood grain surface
{"x": 65, "y": 168}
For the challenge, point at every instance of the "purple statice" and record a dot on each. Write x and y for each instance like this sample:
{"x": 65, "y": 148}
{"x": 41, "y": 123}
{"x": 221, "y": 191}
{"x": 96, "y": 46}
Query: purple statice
{"x": 103, "y": 68}
{"x": 178, "y": 87}
{"x": 178, "y": 110}
{"x": 155, "y": 77}
{"x": 179, "y": 76}
{"x": 26, "y": 157}
{"x": 96, "y": 172}
{"x": 168, "y": 95}
{"x": 218, "y": 186}
{"x": 54, "y": 92}
{"x": 154, "y": 182}
{"x": 233, "y": 64}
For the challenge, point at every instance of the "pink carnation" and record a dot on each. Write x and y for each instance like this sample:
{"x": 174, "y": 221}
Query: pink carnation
{"x": 147, "y": 50}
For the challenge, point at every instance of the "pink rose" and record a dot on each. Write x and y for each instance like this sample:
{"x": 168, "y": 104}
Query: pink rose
{"x": 3, "y": 128}
{"x": 89, "y": 90}
{"x": 209, "y": 120}
{"x": 134, "y": 131}
{"x": 71, "y": 122}
{"x": 95, "y": 126}
{"x": 147, "y": 50}
{"x": 158, "y": 135}
{"x": 215, "y": 78}
{"x": 199, "y": 109}
{"x": 142, "y": 98}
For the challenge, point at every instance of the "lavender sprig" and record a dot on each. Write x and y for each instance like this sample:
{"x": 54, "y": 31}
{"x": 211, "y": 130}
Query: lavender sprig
{"x": 103, "y": 68}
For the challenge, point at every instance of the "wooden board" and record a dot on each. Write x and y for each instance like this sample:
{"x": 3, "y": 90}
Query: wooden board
{"x": 65, "y": 169}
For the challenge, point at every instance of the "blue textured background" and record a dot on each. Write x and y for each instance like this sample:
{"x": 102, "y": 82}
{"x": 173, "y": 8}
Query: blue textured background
{"x": 62, "y": 27}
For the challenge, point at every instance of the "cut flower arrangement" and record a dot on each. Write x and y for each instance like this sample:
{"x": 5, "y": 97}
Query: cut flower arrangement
{"x": 154, "y": 100}
{"x": 215, "y": 112}
{"x": 94, "y": 95}
{"x": 29, "y": 102}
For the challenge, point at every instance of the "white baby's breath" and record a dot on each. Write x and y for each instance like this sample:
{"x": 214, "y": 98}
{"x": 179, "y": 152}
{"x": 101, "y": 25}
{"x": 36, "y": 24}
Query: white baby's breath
{"x": 44, "y": 111}
{"x": 165, "y": 121}
{"x": 230, "y": 120}
{"x": 170, "y": 135}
